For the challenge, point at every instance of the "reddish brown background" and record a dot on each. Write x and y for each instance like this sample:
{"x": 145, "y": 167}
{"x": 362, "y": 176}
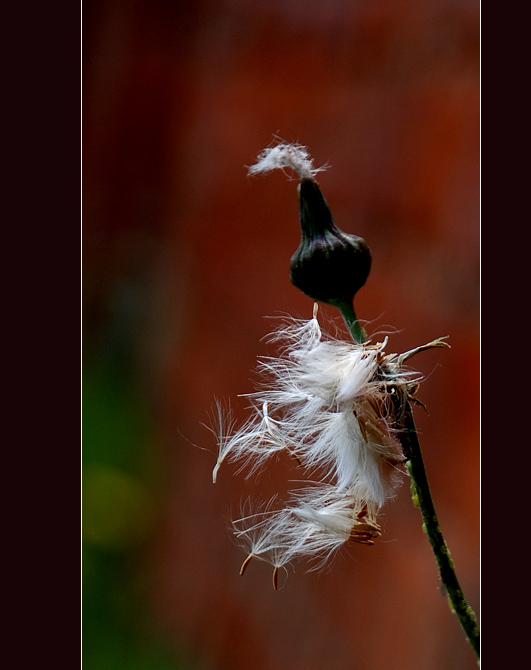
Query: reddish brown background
{"x": 184, "y": 256}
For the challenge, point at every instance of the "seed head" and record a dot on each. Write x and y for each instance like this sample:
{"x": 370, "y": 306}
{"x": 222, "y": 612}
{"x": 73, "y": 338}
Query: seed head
{"x": 331, "y": 407}
{"x": 329, "y": 265}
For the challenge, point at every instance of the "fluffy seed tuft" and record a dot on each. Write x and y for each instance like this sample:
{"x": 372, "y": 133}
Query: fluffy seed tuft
{"x": 282, "y": 156}
{"x": 334, "y": 407}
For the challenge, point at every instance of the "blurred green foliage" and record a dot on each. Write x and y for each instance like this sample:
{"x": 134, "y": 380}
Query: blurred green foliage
{"x": 120, "y": 479}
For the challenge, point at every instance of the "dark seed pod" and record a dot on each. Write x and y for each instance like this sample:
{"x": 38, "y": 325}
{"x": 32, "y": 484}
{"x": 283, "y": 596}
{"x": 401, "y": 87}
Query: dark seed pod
{"x": 329, "y": 265}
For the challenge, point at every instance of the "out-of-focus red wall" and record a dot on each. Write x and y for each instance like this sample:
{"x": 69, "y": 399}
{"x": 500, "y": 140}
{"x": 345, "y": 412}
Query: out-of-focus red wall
{"x": 178, "y": 98}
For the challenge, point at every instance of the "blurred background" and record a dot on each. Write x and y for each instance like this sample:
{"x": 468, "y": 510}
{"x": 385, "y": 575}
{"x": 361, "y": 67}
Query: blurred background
{"x": 183, "y": 258}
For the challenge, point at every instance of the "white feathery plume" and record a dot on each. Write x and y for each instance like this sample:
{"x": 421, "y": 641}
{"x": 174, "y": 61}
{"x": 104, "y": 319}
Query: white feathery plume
{"x": 282, "y": 156}
{"x": 318, "y": 523}
{"x": 330, "y": 404}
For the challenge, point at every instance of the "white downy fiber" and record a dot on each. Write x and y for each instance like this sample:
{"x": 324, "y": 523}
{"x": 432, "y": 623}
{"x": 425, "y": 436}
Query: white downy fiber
{"x": 325, "y": 402}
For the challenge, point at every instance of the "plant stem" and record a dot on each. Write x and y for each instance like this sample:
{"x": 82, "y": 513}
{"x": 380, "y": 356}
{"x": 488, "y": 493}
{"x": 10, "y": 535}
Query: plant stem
{"x": 422, "y": 498}
{"x": 347, "y": 310}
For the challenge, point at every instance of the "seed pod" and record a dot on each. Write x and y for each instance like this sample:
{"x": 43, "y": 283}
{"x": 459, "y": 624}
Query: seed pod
{"x": 329, "y": 265}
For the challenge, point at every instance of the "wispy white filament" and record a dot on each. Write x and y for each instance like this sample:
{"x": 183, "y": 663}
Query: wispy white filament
{"x": 282, "y": 156}
{"x": 331, "y": 406}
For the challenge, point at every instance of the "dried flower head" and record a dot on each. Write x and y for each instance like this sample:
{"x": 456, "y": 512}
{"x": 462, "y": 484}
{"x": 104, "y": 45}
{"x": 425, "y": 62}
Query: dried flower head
{"x": 335, "y": 407}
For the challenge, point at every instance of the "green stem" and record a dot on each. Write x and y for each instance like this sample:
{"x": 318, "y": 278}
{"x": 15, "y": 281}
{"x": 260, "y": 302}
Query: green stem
{"x": 422, "y": 498}
{"x": 347, "y": 310}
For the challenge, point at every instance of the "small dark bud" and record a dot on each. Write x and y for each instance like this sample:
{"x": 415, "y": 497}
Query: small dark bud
{"x": 329, "y": 265}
